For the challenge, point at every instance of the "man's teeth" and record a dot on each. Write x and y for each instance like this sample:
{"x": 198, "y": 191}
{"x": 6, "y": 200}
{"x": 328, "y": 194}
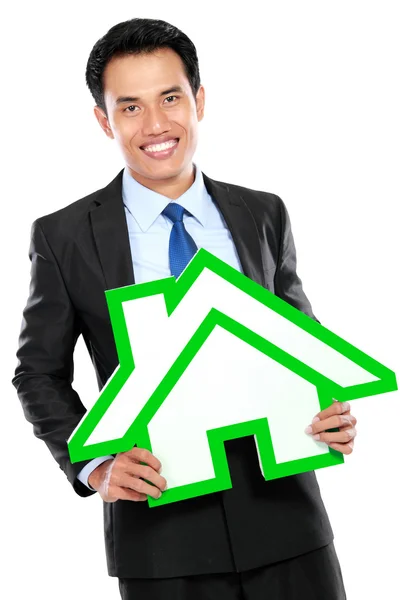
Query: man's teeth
{"x": 159, "y": 147}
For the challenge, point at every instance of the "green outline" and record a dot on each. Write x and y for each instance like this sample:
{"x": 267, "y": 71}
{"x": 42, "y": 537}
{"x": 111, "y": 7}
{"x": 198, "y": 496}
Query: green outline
{"x": 173, "y": 291}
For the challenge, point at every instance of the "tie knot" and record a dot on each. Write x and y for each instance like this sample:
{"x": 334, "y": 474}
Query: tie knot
{"x": 174, "y": 212}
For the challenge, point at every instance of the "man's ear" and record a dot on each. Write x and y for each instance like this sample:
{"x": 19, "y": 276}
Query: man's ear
{"x": 103, "y": 121}
{"x": 200, "y": 101}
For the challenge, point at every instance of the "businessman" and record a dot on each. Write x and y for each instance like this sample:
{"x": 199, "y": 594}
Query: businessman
{"x": 260, "y": 539}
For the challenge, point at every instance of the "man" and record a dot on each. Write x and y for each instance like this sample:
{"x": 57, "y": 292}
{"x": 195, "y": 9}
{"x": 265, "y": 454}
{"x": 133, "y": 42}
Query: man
{"x": 264, "y": 539}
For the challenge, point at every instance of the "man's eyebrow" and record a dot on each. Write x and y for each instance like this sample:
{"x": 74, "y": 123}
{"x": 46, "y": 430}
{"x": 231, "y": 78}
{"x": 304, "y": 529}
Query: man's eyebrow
{"x": 122, "y": 99}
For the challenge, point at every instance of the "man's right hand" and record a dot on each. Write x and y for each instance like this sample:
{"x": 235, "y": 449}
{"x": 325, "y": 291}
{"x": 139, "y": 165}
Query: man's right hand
{"x": 123, "y": 477}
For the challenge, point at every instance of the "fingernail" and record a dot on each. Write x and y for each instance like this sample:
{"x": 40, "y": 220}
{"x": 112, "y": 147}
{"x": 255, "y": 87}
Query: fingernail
{"x": 351, "y": 433}
{"x": 316, "y": 436}
{"x": 308, "y": 429}
{"x": 315, "y": 419}
{"x": 348, "y": 419}
{"x": 345, "y": 406}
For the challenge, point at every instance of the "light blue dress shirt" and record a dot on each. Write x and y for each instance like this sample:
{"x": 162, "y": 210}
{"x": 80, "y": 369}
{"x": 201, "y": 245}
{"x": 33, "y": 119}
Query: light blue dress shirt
{"x": 149, "y": 233}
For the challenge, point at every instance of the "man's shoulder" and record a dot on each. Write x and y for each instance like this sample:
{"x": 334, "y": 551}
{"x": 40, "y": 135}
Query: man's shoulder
{"x": 256, "y": 199}
{"x": 73, "y": 211}
{"x": 73, "y": 215}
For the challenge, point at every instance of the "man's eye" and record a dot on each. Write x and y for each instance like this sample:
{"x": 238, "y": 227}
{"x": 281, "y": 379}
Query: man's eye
{"x": 128, "y": 108}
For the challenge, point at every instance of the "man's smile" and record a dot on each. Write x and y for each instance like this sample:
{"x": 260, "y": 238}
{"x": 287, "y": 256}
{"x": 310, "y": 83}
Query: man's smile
{"x": 161, "y": 151}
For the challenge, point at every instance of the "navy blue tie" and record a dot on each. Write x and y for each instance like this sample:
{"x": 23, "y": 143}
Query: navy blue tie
{"x": 182, "y": 246}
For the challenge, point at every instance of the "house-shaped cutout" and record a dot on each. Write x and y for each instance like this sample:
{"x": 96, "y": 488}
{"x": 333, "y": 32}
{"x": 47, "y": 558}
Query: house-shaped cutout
{"x": 213, "y": 356}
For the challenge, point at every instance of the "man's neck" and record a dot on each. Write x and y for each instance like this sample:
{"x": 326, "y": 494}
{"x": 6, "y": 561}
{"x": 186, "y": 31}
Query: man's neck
{"x": 172, "y": 187}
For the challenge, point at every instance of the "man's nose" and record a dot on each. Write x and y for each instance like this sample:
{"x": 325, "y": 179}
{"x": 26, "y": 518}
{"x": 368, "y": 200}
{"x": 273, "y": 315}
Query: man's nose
{"x": 155, "y": 121}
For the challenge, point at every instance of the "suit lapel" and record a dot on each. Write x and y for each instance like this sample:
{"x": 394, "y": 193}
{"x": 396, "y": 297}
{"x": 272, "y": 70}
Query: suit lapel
{"x": 111, "y": 235}
{"x": 241, "y": 224}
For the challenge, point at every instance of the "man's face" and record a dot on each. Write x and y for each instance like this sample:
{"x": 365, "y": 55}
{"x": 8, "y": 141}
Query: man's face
{"x": 142, "y": 107}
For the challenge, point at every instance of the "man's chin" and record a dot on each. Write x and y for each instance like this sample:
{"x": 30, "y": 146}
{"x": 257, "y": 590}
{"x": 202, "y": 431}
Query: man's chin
{"x": 162, "y": 169}
{"x": 156, "y": 174}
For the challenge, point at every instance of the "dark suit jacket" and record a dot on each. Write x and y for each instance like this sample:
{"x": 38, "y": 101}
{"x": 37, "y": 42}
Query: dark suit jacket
{"x": 77, "y": 253}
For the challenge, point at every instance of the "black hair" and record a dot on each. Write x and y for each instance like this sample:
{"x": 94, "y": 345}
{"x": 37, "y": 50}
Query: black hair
{"x": 138, "y": 36}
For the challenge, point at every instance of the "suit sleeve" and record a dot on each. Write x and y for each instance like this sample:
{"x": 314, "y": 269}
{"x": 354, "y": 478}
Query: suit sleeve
{"x": 288, "y": 285}
{"x": 44, "y": 373}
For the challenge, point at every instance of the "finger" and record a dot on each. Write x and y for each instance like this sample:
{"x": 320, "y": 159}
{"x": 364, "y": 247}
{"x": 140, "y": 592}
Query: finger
{"x": 126, "y": 468}
{"x": 344, "y": 448}
{"x": 119, "y": 475}
{"x": 127, "y": 480}
{"x": 342, "y": 420}
{"x": 343, "y": 437}
{"x": 346, "y": 412}
{"x": 147, "y": 473}
{"x": 336, "y": 408}
{"x": 145, "y": 456}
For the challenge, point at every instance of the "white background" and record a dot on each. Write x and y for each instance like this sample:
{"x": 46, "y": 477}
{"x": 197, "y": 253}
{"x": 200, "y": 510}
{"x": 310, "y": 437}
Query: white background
{"x": 302, "y": 100}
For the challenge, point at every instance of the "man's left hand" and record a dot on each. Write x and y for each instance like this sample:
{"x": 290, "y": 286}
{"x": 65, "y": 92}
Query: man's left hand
{"x": 336, "y": 415}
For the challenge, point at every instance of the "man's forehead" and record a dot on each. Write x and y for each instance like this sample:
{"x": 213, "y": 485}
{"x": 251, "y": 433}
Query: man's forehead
{"x": 123, "y": 79}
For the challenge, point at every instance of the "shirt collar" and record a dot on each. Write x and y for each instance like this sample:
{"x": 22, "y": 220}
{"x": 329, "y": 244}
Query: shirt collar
{"x": 146, "y": 205}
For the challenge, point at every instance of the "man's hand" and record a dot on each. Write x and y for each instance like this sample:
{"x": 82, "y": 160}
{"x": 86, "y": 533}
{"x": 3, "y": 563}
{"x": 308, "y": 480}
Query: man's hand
{"x": 123, "y": 477}
{"x": 336, "y": 415}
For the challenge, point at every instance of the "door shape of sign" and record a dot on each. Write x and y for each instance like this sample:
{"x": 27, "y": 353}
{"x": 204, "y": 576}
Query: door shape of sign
{"x": 213, "y": 356}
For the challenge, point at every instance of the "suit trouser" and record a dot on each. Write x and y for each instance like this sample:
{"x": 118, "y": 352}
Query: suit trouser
{"x": 315, "y": 575}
